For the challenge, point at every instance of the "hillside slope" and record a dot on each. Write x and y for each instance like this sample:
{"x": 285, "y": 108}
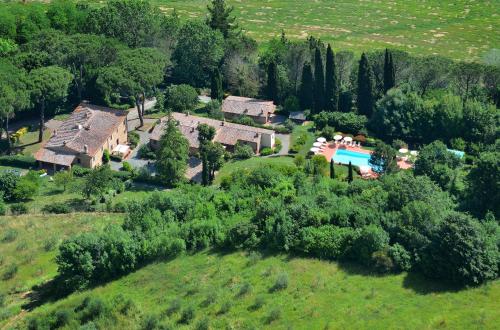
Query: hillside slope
{"x": 238, "y": 291}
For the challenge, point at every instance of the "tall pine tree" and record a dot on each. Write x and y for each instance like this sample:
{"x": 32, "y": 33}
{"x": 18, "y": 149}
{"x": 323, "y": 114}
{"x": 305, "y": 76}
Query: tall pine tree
{"x": 319, "y": 82}
{"x": 332, "y": 169}
{"x": 331, "y": 82}
{"x": 219, "y": 17}
{"x": 272, "y": 82}
{"x": 366, "y": 100}
{"x": 216, "y": 90}
{"x": 306, "y": 88}
{"x": 389, "y": 72}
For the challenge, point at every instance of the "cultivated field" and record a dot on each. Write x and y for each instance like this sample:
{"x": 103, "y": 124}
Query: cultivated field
{"x": 235, "y": 291}
{"x": 457, "y": 29}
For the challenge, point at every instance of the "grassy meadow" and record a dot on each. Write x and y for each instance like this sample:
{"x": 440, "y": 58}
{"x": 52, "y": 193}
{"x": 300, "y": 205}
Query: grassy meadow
{"x": 238, "y": 291}
{"x": 28, "y": 246}
{"x": 457, "y": 29}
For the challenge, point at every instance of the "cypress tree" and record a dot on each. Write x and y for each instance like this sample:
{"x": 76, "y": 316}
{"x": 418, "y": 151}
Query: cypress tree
{"x": 272, "y": 82}
{"x": 319, "y": 82}
{"x": 216, "y": 91}
{"x": 389, "y": 72}
{"x": 366, "y": 101}
{"x": 331, "y": 82}
{"x": 332, "y": 169}
{"x": 345, "y": 101}
{"x": 306, "y": 88}
{"x": 349, "y": 175}
{"x": 204, "y": 171}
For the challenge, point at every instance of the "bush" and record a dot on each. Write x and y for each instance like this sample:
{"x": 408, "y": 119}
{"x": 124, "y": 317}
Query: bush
{"x": 122, "y": 175}
{"x": 291, "y": 104}
{"x": 360, "y": 138}
{"x": 133, "y": 139}
{"x": 117, "y": 185}
{"x": 105, "y": 156}
{"x": 187, "y": 315}
{"x": 17, "y": 209}
{"x": 8, "y": 183}
{"x": 3, "y": 207}
{"x": 282, "y": 129}
{"x": 328, "y": 132}
{"x": 400, "y": 257}
{"x": 57, "y": 208}
{"x": 345, "y": 122}
{"x": 243, "y": 151}
{"x": 150, "y": 322}
{"x": 381, "y": 262}
{"x": 274, "y": 314}
{"x": 246, "y": 288}
{"x": 27, "y": 186}
{"x": 266, "y": 151}
{"x": 62, "y": 318}
{"x": 224, "y": 308}
{"x": 203, "y": 324}
{"x": 281, "y": 283}
{"x": 174, "y": 307}
{"x": 80, "y": 172}
{"x": 213, "y": 109}
{"x": 9, "y": 236}
{"x": 371, "y": 239}
{"x": 127, "y": 167}
{"x": 10, "y": 272}
{"x": 278, "y": 145}
{"x": 50, "y": 244}
{"x": 398, "y": 144}
{"x": 181, "y": 98}
{"x": 258, "y": 303}
{"x": 116, "y": 157}
{"x": 145, "y": 152}
{"x": 2, "y": 299}
{"x": 91, "y": 309}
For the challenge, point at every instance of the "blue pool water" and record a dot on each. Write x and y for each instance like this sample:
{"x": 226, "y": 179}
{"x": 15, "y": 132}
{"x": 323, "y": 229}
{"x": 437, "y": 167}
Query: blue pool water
{"x": 356, "y": 158}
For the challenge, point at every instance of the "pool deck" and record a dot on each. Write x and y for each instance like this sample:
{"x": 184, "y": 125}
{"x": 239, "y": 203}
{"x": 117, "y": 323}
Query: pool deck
{"x": 331, "y": 148}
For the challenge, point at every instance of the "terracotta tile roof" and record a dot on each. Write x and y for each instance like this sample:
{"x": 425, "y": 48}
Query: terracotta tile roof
{"x": 88, "y": 128}
{"x": 225, "y": 133}
{"x": 247, "y": 106}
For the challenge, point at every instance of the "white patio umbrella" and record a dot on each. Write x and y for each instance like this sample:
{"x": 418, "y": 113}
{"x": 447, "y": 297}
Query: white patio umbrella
{"x": 414, "y": 153}
{"x": 321, "y": 139}
{"x": 337, "y": 137}
{"x": 403, "y": 151}
{"x": 314, "y": 149}
{"x": 317, "y": 144}
{"x": 348, "y": 139}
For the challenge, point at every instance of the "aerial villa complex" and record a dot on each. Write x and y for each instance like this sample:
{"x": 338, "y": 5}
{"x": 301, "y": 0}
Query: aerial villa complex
{"x": 228, "y": 134}
{"x": 82, "y": 138}
{"x": 259, "y": 110}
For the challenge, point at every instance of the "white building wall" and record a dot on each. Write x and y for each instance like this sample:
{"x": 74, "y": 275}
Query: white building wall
{"x": 267, "y": 140}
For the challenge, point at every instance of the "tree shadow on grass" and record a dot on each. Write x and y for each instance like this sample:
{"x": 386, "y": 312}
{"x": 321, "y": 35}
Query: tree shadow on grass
{"x": 420, "y": 284}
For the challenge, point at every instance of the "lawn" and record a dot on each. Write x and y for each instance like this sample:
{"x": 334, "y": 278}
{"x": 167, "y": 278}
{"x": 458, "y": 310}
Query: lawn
{"x": 30, "y": 242}
{"x": 457, "y": 29}
{"x": 251, "y": 164}
{"x": 28, "y": 144}
{"x": 303, "y": 137}
{"x": 234, "y": 291}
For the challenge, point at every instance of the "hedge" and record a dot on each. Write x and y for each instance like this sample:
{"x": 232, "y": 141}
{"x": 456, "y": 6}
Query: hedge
{"x": 21, "y": 161}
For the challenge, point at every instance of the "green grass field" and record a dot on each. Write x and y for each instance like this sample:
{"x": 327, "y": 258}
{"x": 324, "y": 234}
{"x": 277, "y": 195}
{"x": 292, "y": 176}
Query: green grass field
{"x": 29, "y": 243}
{"x": 234, "y": 291}
{"x": 457, "y": 29}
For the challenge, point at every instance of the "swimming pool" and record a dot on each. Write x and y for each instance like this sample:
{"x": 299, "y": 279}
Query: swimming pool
{"x": 356, "y": 158}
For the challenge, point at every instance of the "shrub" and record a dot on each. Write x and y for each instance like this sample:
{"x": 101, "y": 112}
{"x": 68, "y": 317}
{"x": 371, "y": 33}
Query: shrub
{"x": 371, "y": 239}
{"x": 345, "y": 122}
{"x": 266, "y": 151}
{"x": 224, "y": 308}
{"x": 398, "y": 144}
{"x": 117, "y": 185}
{"x": 3, "y": 297}
{"x": 328, "y": 132}
{"x": 213, "y": 109}
{"x": 121, "y": 207}
{"x": 105, "y": 156}
{"x": 62, "y": 317}
{"x": 150, "y": 322}
{"x": 80, "y": 172}
{"x": 91, "y": 309}
{"x": 50, "y": 244}
{"x": 281, "y": 283}
{"x": 3, "y": 207}
{"x": 133, "y": 139}
{"x": 145, "y": 152}
{"x": 126, "y": 167}
{"x": 246, "y": 288}
{"x": 10, "y": 272}
{"x": 57, "y": 208}
{"x": 291, "y": 104}
{"x": 274, "y": 314}
{"x": 187, "y": 315}
{"x": 258, "y": 303}
{"x": 116, "y": 157}
{"x": 278, "y": 145}
{"x": 10, "y": 235}
{"x": 174, "y": 307}
{"x": 400, "y": 257}
{"x": 360, "y": 138}
{"x": 210, "y": 299}
{"x": 181, "y": 98}
{"x": 381, "y": 262}
{"x": 282, "y": 129}
{"x": 17, "y": 209}
{"x": 203, "y": 324}
{"x": 243, "y": 151}
{"x": 253, "y": 258}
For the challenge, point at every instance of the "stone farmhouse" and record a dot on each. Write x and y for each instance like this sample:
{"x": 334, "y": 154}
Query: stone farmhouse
{"x": 228, "y": 134}
{"x": 82, "y": 138}
{"x": 260, "y": 111}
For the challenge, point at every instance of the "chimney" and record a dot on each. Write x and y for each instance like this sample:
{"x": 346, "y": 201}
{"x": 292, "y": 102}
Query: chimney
{"x": 86, "y": 149}
{"x": 55, "y": 133}
{"x": 192, "y": 129}
{"x": 222, "y": 123}
{"x": 256, "y": 134}
{"x": 80, "y": 127}
{"x": 187, "y": 113}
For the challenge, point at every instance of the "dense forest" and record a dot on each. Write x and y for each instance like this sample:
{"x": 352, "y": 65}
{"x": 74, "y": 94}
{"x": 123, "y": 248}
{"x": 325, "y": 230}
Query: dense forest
{"x": 441, "y": 218}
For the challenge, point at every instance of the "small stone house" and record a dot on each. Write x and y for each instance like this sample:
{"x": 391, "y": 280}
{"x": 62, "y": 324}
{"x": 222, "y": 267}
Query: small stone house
{"x": 227, "y": 134}
{"x": 82, "y": 138}
{"x": 234, "y": 107}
